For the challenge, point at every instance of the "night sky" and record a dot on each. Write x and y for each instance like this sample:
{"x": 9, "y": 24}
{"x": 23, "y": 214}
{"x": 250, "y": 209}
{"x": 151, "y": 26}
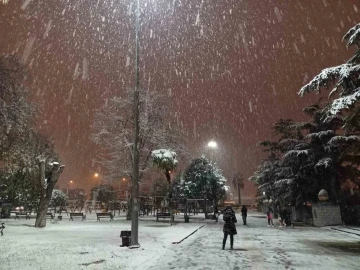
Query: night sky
{"x": 231, "y": 67}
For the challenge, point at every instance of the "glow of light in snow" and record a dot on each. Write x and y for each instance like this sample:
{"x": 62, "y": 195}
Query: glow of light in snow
{"x": 212, "y": 144}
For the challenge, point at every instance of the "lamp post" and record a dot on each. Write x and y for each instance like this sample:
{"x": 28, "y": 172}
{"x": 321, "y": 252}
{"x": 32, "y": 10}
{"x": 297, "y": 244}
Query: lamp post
{"x": 67, "y": 187}
{"x": 212, "y": 145}
{"x": 135, "y": 175}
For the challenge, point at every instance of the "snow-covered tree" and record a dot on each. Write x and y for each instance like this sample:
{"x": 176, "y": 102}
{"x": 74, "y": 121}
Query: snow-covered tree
{"x": 58, "y": 199}
{"x": 166, "y": 161}
{"x": 114, "y": 131}
{"x": 16, "y": 112}
{"x": 343, "y": 80}
{"x": 298, "y": 167}
{"x": 204, "y": 180}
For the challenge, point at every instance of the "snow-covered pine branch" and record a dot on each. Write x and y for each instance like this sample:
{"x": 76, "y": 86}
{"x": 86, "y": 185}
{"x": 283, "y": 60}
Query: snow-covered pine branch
{"x": 326, "y": 78}
{"x": 345, "y": 102}
{"x": 343, "y": 79}
{"x": 283, "y": 183}
{"x": 343, "y": 140}
{"x": 353, "y": 36}
{"x": 322, "y": 135}
{"x": 325, "y": 163}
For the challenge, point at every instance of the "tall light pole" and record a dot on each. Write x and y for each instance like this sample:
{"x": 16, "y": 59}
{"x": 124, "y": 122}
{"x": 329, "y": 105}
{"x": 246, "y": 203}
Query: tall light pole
{"x": 135, "y": 175}
{"x": 213, "y": 146}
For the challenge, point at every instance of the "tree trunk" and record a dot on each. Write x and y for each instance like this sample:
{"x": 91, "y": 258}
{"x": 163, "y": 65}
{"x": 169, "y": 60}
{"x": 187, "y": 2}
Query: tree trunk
{"x": 168, "y": 178}
{"x": 239, "y": 194}
{"x": 129, "y": 211}
{"x": 46, "y": 191}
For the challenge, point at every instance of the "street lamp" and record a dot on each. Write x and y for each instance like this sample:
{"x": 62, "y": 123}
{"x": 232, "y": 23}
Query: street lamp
{"x": 67, "y": 187}
{"x": 135, "y": 175}
{"x": 212, "y": 144}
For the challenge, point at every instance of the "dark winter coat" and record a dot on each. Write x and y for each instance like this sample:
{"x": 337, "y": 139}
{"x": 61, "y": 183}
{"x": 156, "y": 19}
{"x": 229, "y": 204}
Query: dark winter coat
{"x": 244, "y": 211}
{"x": 230, "y": 220}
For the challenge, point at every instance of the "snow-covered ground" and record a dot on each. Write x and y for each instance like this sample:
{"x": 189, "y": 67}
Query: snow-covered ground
{"x": 95, "y": 245}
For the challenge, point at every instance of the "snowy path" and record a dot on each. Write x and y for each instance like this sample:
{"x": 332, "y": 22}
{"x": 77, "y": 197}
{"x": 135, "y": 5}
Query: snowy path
{"x": 95, "y": 245}
{"x": 258, "y": 247}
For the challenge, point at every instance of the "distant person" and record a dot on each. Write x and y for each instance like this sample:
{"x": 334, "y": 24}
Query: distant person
{"x": 270, "y": 214}
{"x": 244, "y": 214}
{"x": 286, "y": 218}
{"x": 229, "y": 226}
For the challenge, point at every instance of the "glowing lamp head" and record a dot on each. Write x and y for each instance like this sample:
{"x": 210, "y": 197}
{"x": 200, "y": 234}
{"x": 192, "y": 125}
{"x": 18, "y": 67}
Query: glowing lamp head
{"x": 96, "y": 175}
{"x": 212, "y": 144}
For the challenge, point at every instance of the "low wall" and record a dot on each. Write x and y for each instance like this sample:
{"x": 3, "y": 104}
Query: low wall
{"x": 326, "y": 214}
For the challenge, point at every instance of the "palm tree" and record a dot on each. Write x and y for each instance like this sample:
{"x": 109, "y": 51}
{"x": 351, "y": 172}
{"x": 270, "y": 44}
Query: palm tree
{"x": 166, "y": 161}
{"x": 238, "y": 182}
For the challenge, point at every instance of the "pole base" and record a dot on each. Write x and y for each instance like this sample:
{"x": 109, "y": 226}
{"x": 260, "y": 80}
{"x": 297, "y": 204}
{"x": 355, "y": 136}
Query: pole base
{"x": 134, "y": 246}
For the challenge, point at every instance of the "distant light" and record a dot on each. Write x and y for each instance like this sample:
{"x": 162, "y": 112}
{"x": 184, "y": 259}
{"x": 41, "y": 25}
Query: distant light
{"x": 123, "y": 179}
{"x": 71, "y": 181}
{"x": 212, "y": 144}
{"x": 96, "y": 175}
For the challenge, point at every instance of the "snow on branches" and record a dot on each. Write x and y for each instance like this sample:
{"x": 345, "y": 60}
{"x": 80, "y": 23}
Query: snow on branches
{"x": 322, "y": 135}
{"x": 353, "y": 36}
{"x": 343, "y": 140}
{"x": 283, "y": 183}
{"x": 165, "y": 157}
{"x": 343, "y": 79}
{"x": 326, "y": 78}
{"x": 344, "y": 102}
{"x": 325, "y": 163}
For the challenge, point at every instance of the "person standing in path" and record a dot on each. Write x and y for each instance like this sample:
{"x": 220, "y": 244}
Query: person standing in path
{"x": 229, "y": 226}
{"x": 244, "y": 214}
{"x": 270, "y": 217}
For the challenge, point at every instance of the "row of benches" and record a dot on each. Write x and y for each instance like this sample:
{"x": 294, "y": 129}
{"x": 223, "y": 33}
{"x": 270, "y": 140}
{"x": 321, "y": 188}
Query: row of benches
{"x": 26, "y": 215}
{"x": 83, "y": 216}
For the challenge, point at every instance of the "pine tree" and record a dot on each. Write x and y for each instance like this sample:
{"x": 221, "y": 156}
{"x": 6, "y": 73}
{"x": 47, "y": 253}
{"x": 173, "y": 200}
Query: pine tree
{"x": 204, "y": 180}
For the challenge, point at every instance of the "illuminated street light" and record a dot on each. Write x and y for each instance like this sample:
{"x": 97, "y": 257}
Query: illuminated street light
{"x": 212, "y": 144}
{"x": 96, "y": 175}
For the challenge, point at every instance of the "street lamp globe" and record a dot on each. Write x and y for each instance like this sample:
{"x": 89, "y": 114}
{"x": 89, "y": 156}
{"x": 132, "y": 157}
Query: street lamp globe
{"x": 212, "y": 144}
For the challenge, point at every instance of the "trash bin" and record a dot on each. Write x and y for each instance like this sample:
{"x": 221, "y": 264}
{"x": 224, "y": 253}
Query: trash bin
{"x": 126, "y": 238}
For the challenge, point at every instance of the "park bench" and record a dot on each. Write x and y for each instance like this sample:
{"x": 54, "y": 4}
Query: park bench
{"x": 104, "y": 215}
{"x": 26, "y": 215}
{"x": 50, "y": 215}
{"x": 162, "y": 215}
{"x": 72, "y": 215}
